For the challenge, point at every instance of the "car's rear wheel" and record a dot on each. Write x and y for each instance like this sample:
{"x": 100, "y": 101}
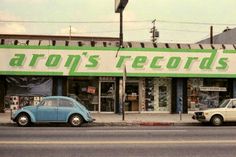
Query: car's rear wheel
{"x": 216, "y": 120}
{"x": 76, "y": 120}
{"x": 23, "y": 120}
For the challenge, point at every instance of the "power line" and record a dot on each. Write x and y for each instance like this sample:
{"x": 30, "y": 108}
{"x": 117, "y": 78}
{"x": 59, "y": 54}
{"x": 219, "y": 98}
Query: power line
{"x": 197, "y": 23}
{"x": 183, "y": 30}
{"x": 103, "y": 22}
{"x": 70, "y": 22}
{"x": 128, "y": 21}
{"x": 113, "y": 31}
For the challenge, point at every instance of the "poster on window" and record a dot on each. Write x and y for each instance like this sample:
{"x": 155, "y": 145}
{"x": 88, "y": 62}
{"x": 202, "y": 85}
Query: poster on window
{"x": 29, "y": 86}
{"x": 91, "y": 90}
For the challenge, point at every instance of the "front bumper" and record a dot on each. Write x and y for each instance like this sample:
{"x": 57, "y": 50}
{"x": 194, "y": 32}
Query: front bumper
{"x": 199, "y": 117}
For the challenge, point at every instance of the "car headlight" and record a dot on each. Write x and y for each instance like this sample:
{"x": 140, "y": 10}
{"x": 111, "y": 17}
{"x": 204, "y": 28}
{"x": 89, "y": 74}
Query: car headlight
{"x": 206, "y": 113}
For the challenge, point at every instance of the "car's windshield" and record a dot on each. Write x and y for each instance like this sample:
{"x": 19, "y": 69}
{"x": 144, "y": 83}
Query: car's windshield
{"x": 224, "y": 103}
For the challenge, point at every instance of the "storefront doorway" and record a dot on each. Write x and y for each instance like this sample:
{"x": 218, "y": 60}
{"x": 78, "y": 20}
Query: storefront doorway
{"x": 107, "y": 96}
{"x": 132, "y": 96}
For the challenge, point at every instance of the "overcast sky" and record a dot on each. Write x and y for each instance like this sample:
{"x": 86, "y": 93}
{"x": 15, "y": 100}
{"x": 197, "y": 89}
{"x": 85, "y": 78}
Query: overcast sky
{"x": 169, "y": 14}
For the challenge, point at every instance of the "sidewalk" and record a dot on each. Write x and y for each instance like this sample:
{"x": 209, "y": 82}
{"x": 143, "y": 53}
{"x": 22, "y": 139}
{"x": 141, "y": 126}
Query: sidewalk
{"x": 131, "y": 119}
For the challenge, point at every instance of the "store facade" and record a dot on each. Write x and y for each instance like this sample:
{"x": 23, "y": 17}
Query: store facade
{"x": 158, "y": 80}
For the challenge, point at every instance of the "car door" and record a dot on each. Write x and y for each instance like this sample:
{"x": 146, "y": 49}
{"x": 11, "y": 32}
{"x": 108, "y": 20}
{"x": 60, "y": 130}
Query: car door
{"x": 231, "y": 111}
{"x": 47, "y": 111}
{"x": 65, "y": 108}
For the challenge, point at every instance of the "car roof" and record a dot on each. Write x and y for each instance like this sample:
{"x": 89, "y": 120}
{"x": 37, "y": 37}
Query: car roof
{"x": 58, "y": 97}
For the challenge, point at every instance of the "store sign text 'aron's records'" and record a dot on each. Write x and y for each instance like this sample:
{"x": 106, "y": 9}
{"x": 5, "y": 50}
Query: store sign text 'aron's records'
{"x": 153, "y": 63}
{"x": 137, "y": 62}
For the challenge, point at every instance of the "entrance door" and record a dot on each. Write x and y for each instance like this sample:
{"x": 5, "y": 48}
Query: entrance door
{"x": 162, "y": 89}
{"x": 107, "y": 96}
{"x": 132, "y": 96}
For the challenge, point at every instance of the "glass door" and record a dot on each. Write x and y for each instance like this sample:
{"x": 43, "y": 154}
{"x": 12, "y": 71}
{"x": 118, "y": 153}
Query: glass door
{"x": 132, "y": 96}
{"x": 107, "y": 97}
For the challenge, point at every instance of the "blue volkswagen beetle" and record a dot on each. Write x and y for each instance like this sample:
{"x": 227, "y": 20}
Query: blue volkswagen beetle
{"x": 58, "y": 109}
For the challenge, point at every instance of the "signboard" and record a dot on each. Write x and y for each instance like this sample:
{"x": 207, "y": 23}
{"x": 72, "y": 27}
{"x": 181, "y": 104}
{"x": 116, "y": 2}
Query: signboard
{"x": 92, "y": 61}
{"x": 213, "y": 89}
{"x": 119, "y": 5}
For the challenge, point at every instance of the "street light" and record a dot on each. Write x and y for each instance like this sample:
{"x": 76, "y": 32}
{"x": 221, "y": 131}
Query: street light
{"x": 119, "y": 7}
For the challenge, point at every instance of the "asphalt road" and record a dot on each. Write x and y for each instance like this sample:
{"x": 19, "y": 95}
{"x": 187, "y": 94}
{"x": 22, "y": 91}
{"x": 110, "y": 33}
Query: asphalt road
{"x": 197, "y": 141}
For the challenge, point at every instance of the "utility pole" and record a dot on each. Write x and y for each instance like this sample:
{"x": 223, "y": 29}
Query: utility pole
{"x": 119, "y": 8}
{"x": 211, "y": 35}
{"x": 154, "y": 32}
{"x": 70, "y": 34}
{"x": 121, "y": 28}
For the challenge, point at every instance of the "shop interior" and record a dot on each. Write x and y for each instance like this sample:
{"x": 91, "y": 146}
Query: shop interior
{"x": 132, "y": 96}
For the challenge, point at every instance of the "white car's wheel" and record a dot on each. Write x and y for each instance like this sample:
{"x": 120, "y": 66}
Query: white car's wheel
{"x": 76, "y": 120}
{"x": 23, "y": 120}
{"x": 216, "y": 120}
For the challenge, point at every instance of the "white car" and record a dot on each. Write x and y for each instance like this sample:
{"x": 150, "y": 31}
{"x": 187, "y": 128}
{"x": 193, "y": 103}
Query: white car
{"x": 226, "y": 112}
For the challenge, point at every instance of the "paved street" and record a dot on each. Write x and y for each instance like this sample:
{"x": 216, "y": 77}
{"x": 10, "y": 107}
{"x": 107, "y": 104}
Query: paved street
{"x": 118, "y": 141}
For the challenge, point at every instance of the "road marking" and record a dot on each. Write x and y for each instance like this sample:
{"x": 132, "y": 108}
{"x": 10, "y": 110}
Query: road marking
{"x": 115, "y": 142}
{"x": 136, "y": 131}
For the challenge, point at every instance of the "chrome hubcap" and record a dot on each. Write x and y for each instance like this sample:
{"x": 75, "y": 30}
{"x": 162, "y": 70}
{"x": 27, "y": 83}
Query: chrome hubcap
{"x": 217, "y": 121}
{"x": 76, "y": 120}
{"x": 23, "y": 120}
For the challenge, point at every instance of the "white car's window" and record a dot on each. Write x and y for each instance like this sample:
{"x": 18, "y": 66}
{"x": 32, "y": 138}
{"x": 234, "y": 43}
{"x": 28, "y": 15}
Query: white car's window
{"x": 224, "y": 103}
{"x": 232, "y": 104}
{"x": 66, "y": 103}
{"x": 50, "y": 103}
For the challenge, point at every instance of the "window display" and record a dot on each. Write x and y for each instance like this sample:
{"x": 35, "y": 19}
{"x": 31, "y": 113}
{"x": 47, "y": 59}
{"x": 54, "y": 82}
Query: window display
{"x": 162, "y": 94}
{"x": 193, "y": 92}
{"x": 206, "y": 93}
{"x": 149, "y": 94}
{"x": 85, "y": 90}
{"x": 107, "y": 96}
{"x": 26, "y": 90}
{"x": 158, "y": 94}
{"x": 29, "y": 86}
{"x": 17, "y": 102}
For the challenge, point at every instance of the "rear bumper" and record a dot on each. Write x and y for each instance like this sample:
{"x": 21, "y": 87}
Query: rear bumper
{"x": 13, "y": 117}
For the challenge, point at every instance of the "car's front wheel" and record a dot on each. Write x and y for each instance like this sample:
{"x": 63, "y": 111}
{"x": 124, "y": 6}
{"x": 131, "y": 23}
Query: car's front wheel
{"x": 23, "y": 120}
{"x": 216, "y": 120}
{"x": 76, "y": 120}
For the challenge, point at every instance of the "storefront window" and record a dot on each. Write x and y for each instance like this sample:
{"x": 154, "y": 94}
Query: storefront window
{"x": 26, "y": 90}
{"x": 162, "y": 96}
{"x": 86, "y": 90}
{"x": 158, "y": 94}
{"x": 206, "y": 93}
{"x": 194, "y": 93}
{"x": 107, "y": 96}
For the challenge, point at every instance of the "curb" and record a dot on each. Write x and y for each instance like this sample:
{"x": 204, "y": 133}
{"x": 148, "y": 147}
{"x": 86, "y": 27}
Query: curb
{"x": 106, "y": 124}
{"x": 157, "y": 124}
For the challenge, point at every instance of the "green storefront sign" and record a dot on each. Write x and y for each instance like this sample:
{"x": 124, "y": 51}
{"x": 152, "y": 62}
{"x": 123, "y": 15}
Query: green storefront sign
{"x": 89, "y": 61}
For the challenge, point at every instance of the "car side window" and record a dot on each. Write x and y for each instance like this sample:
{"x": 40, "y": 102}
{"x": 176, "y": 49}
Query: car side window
{"x": 232, "y": 104}
{"x": 66, "y": 103}
{"x": 50, "y": 103}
